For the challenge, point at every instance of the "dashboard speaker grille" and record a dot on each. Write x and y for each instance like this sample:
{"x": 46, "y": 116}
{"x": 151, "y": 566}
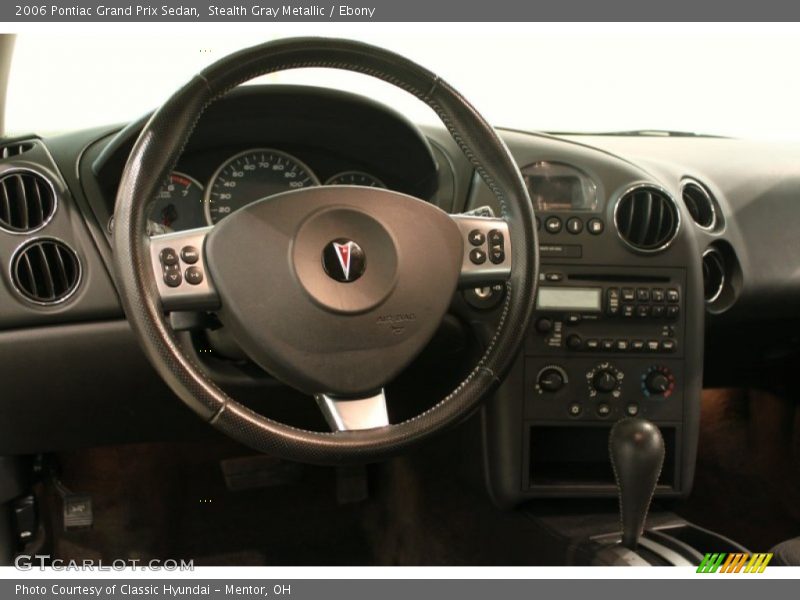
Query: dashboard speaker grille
{"x": 699, "y": 204}
{"x": 27, "y": 201}
{"x": 646, "y": 219}
{"x": 713, "y": 274}
{"x": 46, "y": 271}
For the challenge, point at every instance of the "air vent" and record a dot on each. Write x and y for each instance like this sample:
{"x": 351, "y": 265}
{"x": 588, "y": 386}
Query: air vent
{"x": 15, "y": 149}
{"x": 713, "y": 274}
{"x": 700, "y": 204}
{"x": 46, "y": 271}
{"x": 646, "y": 219}
{"x": 27, "y": 201}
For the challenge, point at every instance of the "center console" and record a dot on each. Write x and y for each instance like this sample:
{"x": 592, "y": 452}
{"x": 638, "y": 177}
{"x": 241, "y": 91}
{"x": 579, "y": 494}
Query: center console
{"x": 618, "y": 328}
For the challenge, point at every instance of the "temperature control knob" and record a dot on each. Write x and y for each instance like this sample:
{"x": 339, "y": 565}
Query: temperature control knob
{"x": 551, "y": 379}
{"x": 658, "y": 380}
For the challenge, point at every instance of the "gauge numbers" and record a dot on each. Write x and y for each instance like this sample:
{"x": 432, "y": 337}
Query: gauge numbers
{"x": 355, "y": 178}
{"x": 252, "y": 175}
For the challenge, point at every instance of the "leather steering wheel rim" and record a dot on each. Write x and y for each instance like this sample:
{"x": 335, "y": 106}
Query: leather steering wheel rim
{"x": 155, "y": 154}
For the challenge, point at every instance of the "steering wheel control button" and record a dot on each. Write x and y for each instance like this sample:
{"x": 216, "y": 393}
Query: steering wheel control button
{"x": 172, "y": 276}
{"x": 595, "y": 226}
{"x": 476, "y": 237}
{"x": 496, "y": 238}
{"x": 552, "y": 224}
{"x": 574, "y": 225}
{"x": 168, "y": 257}
{"x": 193, "y": 276}
{"x": 497, "y": 255}
{"x": 190, "y": 255}
{"x": 343, "y": 260}
{"x": 477, "y": 256}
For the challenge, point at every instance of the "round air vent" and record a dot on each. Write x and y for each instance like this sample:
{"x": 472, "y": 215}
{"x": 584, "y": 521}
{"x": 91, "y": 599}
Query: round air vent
{"x": 646, "y": 218}
{"x": 27, "y": 201}
{"x": 700, "y": 204}
{"x": 46, "y": 271}
{"x": 713, "y": 274}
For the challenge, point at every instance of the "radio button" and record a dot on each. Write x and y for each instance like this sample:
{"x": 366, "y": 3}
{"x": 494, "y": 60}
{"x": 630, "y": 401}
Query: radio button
{"x": 672, "y": 311}
{"x": 623, "y": 345}
{"x": 612, "y": 302}
{"x": 573, "y": 319}
{"x": 476, "y": 237}
{"x": 657, "y": 311}
{"x": 607, "y": 344}
{"x": 643, "y": 311}
{"x": 574, "y": 225}
{"x": 553, "y": 224}
{"x": 637, "y": 345}
{"x": 627, "y": 310}
{"x": 657, "y": 294}
{"x": 592, "y": 344}
{"x": 554, "y": 277}
{"x": 574, "y": 341}
{"x": 628, "y": 295}
{"x": 673, "y": 297}
{"x": 653, "y": 345}
{"x": 544, "y": 325}
{"x": 595, "y": 226}
{"x": 668, "y": 345}
{"x": 643, "y": 295}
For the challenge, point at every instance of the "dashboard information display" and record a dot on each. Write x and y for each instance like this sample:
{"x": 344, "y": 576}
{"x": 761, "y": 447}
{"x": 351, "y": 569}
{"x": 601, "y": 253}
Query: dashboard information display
{"x": 569, "y": 298}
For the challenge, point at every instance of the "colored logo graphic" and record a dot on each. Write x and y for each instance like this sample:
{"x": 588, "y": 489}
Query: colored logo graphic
{"x": 737, "y": 562}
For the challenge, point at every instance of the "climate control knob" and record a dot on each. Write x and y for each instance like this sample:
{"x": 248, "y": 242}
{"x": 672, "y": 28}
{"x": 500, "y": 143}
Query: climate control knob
{"x": 605, "y": 381}
{"x": 551, "y": 379}
{"x": 658, "y": 380}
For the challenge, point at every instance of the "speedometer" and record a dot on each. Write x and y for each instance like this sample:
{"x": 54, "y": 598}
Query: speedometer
{"x": 252, "y": 175}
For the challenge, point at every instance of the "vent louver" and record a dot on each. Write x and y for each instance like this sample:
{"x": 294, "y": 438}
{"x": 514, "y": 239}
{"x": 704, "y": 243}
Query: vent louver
{"x": 27, "y": 201}
{"x": 646, "y": 218}
{"x": 15, "y": 149}
{"x": 46, "y": 271}
{"x": 713, "y": 274}
{"x": 700, "y": 204}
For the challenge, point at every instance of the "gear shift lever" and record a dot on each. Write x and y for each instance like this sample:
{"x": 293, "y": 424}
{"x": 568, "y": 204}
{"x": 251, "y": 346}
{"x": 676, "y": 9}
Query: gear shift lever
{"x": 637, "y": 454}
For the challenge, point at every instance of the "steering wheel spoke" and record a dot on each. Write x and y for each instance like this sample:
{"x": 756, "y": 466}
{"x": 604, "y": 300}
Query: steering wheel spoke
{"x": 179, "y": 267}
{"x": 487, "y": 250}
{"x": 349, "y": 414}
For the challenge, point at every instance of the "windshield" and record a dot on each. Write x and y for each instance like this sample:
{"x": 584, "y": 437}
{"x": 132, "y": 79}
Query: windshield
{"x": 731, "y": 80}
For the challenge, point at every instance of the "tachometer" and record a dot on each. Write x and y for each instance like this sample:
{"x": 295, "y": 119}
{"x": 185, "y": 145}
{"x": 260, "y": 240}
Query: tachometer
{"x": 355, "y": 178}
{"x": 178, "y": 205}
{"x": 252, "y": 175}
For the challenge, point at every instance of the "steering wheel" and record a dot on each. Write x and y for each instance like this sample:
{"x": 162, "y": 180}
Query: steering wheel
{"x": 333, "y": 290}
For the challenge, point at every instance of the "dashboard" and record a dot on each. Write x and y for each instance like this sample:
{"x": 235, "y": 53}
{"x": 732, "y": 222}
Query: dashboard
{"x": 657, "y": 266}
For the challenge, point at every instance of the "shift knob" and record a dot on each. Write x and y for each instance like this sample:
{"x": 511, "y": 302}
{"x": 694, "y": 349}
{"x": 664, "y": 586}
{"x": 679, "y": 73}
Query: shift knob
{"x": 637, "y": 454}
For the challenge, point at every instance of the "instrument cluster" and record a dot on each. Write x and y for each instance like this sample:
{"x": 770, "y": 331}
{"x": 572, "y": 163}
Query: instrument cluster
{"x": 183, "y": 202}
